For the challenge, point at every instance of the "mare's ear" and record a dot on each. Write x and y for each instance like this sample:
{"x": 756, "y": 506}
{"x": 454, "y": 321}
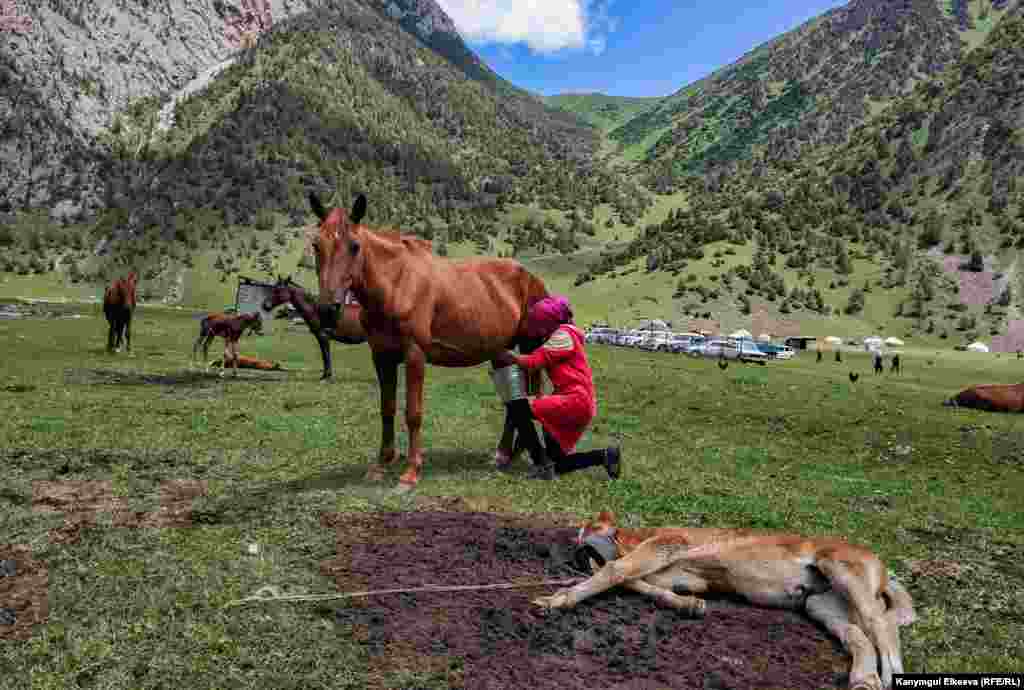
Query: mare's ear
{"x": 318, "y": 208}
{"x": 358, "y": 209}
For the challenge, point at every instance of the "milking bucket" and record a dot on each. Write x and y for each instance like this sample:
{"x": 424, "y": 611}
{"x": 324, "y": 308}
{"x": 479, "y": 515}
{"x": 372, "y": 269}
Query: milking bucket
{"x": 510, "y": 382}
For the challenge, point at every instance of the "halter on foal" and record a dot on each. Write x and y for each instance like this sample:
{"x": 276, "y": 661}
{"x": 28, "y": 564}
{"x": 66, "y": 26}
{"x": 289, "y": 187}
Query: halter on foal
{"x": 118, "y": 305}
{"x": 420, "y": 309}
{"x": 345, "y": 328}
{"x": 229, "y": 327}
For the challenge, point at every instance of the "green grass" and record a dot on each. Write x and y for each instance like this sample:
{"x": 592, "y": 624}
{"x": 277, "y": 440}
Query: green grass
{"x": 791, "y": 445}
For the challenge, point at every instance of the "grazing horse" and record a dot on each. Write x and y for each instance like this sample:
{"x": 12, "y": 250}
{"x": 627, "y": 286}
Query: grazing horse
{"x": 324, "y": 323}
{"x": 895, "y": 364}
{"x": 997, "y": 397}
{"x": 878, "y": 363}
{"x": 229, "y": 327}
{"x": 420, "y": 309}
{"x": 118, "y": 305}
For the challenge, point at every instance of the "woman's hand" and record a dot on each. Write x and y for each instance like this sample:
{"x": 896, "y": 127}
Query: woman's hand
{"x": 505, "y": 359}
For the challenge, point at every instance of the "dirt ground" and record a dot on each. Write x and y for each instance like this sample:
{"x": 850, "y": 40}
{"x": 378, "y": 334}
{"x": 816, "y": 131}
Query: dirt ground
{"x": 497, "y": 639}
{"x": 24, "y": 602}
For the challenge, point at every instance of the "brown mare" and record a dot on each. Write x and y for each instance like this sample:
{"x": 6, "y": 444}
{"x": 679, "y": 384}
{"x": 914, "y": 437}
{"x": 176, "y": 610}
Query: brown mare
{"x": 231, "y": 327}
{"x": 420, "y": 309}
{"x": 324, "y": 323}
{"x": 118, "y": 305}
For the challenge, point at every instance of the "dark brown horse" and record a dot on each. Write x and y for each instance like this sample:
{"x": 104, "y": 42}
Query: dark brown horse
{"x": 326, "y": 324}
{"x": 118, "y": 306}
{"x": 420, "y": 309}
{"x": 231, "y": 327}
{"x": 996, "y": 397}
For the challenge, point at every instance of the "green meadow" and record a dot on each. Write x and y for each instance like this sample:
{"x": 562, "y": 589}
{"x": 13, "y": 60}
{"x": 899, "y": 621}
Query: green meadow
{"x": 792, "y": 445}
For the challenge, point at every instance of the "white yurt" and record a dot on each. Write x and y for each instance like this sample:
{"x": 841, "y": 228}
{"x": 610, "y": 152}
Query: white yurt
{"x": 978, "y": 347}
{"x": 764, "y": 338}
{"x": 891, "y": 340}
{"x": 834, "y": 340}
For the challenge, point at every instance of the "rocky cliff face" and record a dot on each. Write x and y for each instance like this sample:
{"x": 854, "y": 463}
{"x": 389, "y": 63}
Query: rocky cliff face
{"x": 81, "y": 63}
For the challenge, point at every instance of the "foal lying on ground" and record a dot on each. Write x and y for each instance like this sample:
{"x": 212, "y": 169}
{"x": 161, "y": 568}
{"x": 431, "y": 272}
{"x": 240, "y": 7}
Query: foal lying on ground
{"x": 843, "y": 586}
{"x": 231, "y": 328}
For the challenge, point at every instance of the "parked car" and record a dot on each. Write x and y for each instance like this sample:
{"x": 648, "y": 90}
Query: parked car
{"x": 682, "y": 342}
{"x": 656, "y": 341}
{"x": 776, "y": 351}
{"x": 601, "y": 335}
{"x": 730, "y": 348}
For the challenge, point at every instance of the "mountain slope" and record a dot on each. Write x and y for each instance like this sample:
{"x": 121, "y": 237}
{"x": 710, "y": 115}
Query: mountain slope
{"x": 404, "y": 95}
{"x": 930, "y": 191}
{"x": 812, "y": 85}
{"x": 604, "y": 112}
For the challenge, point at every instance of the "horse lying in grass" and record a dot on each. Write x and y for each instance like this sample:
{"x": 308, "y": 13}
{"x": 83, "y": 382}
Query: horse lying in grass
{"x": 841, "y": 585}
{"x": 420, "y": 309}
{"x": 245, "y": 362}
{"x": 118, "y": 306}
{"x": 324, "y": 323}
{"x": 228, "y": 326}
{"x": 996, "y": 397}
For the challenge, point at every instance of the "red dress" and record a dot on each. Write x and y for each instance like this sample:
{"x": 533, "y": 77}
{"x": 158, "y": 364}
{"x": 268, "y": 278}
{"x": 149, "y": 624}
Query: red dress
{"x": 565, "y": 413}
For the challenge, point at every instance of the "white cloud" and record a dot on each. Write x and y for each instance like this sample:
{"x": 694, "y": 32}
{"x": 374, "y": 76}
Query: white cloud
{"x": 545, "y": 26}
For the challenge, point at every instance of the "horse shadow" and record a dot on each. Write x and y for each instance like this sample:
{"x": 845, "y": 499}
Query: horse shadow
{"x": 185, "y": 378}
{"x": 248, "y": 504}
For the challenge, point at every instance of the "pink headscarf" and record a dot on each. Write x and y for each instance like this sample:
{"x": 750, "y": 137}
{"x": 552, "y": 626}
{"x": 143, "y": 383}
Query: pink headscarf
{"x": 547, "y": 315}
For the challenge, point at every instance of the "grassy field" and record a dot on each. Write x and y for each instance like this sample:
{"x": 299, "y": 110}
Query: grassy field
{"x": 791, "y": 445}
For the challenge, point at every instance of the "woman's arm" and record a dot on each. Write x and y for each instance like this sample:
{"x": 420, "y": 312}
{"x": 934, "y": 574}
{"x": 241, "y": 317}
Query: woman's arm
{"x": 559, "y": 347}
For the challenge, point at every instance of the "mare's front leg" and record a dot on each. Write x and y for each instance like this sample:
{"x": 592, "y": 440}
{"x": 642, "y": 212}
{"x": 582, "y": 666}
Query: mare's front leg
{"x": 128, "y": 333}
{"x": 386, "y": 365}
{"x": 325, "y": 355}
{"x": 415, "y": 370}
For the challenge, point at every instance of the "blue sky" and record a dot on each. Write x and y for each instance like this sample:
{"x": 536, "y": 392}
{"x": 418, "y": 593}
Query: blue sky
{"x": 620, "y": 47}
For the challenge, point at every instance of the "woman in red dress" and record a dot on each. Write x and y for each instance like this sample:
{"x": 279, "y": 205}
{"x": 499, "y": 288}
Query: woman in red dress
{"x": 566, "y": 413}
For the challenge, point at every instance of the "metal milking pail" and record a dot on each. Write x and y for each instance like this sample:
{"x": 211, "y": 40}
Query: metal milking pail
{"x": 510, "y": 382}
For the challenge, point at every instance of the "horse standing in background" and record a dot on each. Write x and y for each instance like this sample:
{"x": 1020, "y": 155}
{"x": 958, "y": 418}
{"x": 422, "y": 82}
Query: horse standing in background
{"x": 118, "y": 306}
{"x": 325, "y": 324}
{"x": 420, "y": 309}
{"x": 227, "y": 326}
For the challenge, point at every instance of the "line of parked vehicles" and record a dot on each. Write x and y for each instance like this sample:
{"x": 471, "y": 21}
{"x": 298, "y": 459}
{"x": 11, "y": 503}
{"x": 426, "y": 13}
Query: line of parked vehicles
{"x": 693, "y": 344}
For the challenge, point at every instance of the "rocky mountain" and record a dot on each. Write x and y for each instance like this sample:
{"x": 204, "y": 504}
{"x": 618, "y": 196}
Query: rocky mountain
{"x": 83, "y": 86}
{"x": 810, "y": 86}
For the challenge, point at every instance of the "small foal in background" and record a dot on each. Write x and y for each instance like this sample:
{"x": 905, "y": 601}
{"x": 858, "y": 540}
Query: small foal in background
{"x": 229, "y": 327}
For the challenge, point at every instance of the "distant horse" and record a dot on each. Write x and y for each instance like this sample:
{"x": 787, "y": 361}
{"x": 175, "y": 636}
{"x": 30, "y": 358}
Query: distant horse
{"x": 895, "y": 364}
{"x": 324, "y": 323}
{"x": 878, "y": 363}
{"x": 420, "y": 309}
{"x": 229, "y": 327}
{"x": 1006, "y": 397}
{"x": 118, "y": 305}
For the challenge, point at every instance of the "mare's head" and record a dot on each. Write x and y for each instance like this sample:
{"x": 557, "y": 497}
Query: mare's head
{"x": 337, "y": 249}
{"x": 280, "y": 293}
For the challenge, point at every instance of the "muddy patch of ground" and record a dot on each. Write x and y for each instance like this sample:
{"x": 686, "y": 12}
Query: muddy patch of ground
{"x": 82, "y": 503}
{"x": 23, "y": 592}
{"x": 492, "y": 640}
